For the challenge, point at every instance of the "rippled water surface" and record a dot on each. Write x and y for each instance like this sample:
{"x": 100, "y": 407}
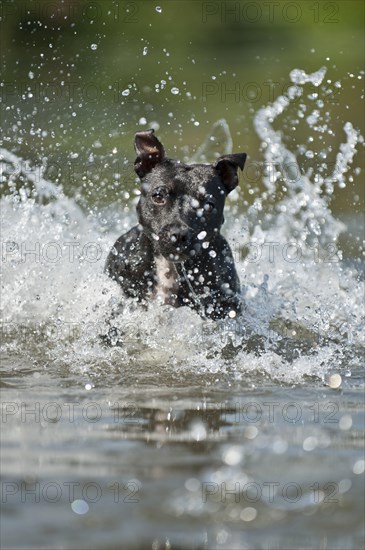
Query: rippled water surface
{"x": 186, "y": 433}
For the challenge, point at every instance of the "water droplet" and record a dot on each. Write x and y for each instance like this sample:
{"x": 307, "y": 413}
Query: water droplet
{"x": 359, "y": 467}
{"x": 126, "y": 92}
{"x": 145, "y": 50}
{"x": 248, "y": 514}
{"x": 192, "y": 484}
{"x": 251, "y": 432}
{"x": 175, "y": 90}
{"x": 80, "y": 507}
{"x": 94, "y": 46}
{"x": 158, "y": 9}
{"x": 345, "y": 422}
{"x": 310, "y": 443}
{"x": 344, "y": 485}
{"x": 233, "y": 456}
{"x": 335, "y": 381}
{"x": 198, "y": 431}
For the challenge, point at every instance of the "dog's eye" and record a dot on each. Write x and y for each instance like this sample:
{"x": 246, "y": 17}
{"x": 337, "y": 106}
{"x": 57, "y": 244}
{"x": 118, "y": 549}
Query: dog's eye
{"x": 159, "y": 196}
{"x": 209, "y": 206}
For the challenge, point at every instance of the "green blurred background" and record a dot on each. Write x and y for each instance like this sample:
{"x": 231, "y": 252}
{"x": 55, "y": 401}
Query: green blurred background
{"x": 80, "y": 77}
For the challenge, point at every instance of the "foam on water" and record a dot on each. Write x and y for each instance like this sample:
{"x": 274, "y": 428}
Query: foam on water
{"x": 56, "y": 296}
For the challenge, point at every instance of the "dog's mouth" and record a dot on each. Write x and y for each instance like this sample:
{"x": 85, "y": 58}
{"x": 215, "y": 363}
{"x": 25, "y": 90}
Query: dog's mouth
{"x": 177, "y": 251}
{"x": 177, "y": 254}
{"x": 180, "y": 243}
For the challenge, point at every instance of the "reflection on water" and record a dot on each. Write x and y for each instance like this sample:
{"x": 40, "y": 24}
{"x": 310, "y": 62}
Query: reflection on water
{"x": 244, "y": 433}
{"x": 197, "y": 462}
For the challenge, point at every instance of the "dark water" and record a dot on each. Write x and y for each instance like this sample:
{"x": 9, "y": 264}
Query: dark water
{"x": 168, "y": 459}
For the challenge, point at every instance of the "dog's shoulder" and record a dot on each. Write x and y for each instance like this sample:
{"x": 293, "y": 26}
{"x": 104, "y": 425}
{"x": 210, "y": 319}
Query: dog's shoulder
{"x": 129, "y": 255}
{"x": 127, "y": 241}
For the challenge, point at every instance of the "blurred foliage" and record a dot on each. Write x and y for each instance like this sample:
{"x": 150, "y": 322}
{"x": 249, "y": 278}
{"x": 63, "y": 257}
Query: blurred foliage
{"x": 80, "y": 77}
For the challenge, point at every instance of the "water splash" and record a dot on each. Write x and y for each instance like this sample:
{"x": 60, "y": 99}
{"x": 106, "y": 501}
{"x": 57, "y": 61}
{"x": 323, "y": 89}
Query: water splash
{"x": 305, "y": 212}
{"x": 299, "y": 76}
{"x": 218, "y": 142}
{"x": 14, "y": 168}
{"x": 64, "y": 304}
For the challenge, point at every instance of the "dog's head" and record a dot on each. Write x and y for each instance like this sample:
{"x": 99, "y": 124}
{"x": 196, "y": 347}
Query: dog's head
{"x": 181, "y": 206}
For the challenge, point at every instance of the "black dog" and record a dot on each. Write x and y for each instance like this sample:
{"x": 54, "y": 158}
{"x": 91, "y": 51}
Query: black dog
{"x": 176, "y": 253}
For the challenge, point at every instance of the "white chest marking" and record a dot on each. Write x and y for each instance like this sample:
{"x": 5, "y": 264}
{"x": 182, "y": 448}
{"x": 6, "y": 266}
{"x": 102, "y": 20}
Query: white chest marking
{"x": 167, "y": 281}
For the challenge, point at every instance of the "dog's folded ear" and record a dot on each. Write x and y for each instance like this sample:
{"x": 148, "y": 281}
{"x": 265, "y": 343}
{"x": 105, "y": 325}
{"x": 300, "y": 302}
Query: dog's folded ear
{"x": 227, "y": 167}
{"x": 149, "y": 150}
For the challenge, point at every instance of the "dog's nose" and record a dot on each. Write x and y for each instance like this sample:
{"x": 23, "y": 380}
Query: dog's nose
{"x": 178, "y": 236}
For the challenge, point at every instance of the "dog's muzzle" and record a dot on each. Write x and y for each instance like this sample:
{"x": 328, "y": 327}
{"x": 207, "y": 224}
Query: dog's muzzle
{"x": 176, "y": 243}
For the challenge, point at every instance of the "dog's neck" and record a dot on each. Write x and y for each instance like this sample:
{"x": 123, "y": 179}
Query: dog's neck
{"x": 170, "y": 275}
{"x": 167, "y": 281}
